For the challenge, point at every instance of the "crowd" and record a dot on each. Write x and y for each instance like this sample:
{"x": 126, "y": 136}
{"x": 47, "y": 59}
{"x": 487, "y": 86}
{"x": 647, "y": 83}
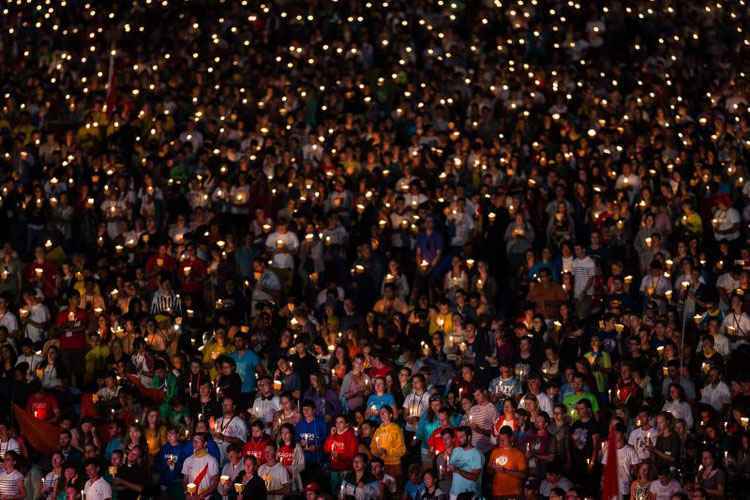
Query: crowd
{"x": 415, "y": 249}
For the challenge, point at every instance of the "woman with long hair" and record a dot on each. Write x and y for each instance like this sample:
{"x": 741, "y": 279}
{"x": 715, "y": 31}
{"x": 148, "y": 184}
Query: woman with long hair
{"x": 290, "y": 454}
{"x": 326, "y": 401}
{"x": 356, "y": 386}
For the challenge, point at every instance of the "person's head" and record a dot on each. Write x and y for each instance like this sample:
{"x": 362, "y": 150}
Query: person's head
{"x": 10, "y": 460}
{"x": 583, "y": 408}
{"x": 707, "y": 459}
{"x": 269, "y": 454}
{"x": 199, "y": 441}
{"x": 227, "y": 406}
{"x": 341, "y": 423}
{"x": 250, "y": 465}
{"x": 308, "y": 410}
{"x": 359, "y": 463}
{"x": 92, "y": 468}
{"x": 463, "y": 437}
{"x": 377, "y": 467}
{"x": 504, "y": 437}
{"x": 386, "y": 414}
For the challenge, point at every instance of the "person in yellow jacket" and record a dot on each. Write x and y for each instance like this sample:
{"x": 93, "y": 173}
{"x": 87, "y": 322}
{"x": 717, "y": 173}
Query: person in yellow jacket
{"x": 388, "y": 443}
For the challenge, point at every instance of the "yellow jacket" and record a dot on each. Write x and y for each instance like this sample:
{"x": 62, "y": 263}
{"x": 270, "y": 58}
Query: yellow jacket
{"x": 391, "y": 438}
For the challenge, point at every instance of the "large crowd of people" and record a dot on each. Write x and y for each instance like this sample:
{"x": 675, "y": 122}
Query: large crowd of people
{"x": 365, "y": 249}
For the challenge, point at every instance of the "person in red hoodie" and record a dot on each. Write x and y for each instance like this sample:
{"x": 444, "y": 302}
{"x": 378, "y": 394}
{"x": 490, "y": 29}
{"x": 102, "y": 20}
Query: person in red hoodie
{"x": 71, "y": 324}
{"x": 256, "y": 444}
{"x": 158, "y": 263}
{"x": 43, "y": 274}
{"x": 340, "y": 446}
{"x": 191, "y": 271}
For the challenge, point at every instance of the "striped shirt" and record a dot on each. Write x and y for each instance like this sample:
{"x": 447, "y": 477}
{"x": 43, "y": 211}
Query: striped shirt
{"x": 484, "y": 417}
{"x": 10, "y": 483}
{"x": 166, "y": 303}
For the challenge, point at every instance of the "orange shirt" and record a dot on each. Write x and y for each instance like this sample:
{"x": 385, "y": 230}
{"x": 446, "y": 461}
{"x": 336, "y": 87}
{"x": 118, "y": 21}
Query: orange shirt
{"x": 504, "y": 484}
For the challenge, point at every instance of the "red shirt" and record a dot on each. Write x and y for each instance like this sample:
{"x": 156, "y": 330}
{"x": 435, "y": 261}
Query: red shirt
{"x": 42, "y": 406}
{"x": 72, "y": 324}
{"x": 191, "y": 273}
{"x": 257, "y": 448}
{"x": 341, "y": 448}
{"x": 285, "y": 455}
{"x": 47, "y": 279}
{"x": 164, "y": 263}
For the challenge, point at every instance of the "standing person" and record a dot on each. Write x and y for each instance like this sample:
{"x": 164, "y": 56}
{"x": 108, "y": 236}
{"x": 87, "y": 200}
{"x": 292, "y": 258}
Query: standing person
{"x": 627, "y": 459}
{"x": 11, "y": 480}
{"x": 71, "y": 323}
{"x": 229, "y": 428}
{"x": 230, "y": 471}
{"x": 291, "y": 456}
{"x": 247, "y": 363}
{"x": 275, "y": 475}
{"x": 482, "y": 417}
{"x": 584, "y": 269}
{"x": 466, "y": 464}
{"x": 585, "y": 436}
{"x": 341, "y": 447}
{"x": 311, "y": 432}
{"x": 508, "y": 466}
{"x": 200, "y": 470}
{"x": 96, "y": 488}
{"x": 248, "y": 484}
{"x": 359, "y": 483}
{"x": 388, "y": 443}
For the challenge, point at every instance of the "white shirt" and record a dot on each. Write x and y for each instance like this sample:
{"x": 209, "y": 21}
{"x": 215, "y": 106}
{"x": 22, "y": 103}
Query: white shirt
{"x": 40, "y": 314}
{"x": 680, "y": 409}
{"x": 583, "y": 270}
{"x": 97, "y": 490}
{"x": 725, "y": 220}
{"x": 10, "y": 483}
{"x": 639, "y": 439}
{"x": 275, "y": 477}
{"x": 233, "y": 427}
{"x": 193, "y": 466}
{"x": 737, "y": 325}
{"x": 415, "y": 406}
{"x": 716, "y": 396}
{"x": 664, "y": 492}
{"x": 626, "y": 459}
{"x": 9, "y": 321}
{"x": 265, "y": 409}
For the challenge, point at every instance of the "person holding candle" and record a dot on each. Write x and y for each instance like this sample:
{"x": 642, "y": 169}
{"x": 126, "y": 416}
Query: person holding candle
{"x": 275, "y": 475}
{"x": 311, "y": 431}
{"x": 388, "y": 443}
{"x": 129, "y": 483}
{"x": 508, "y": 467}
{"x": 200, "y": 470}
{"x": 231, "y": 470}
{"x": 248, "y": 484}
{"x": 341, "y": 446}
{"x": 291, "y": 455}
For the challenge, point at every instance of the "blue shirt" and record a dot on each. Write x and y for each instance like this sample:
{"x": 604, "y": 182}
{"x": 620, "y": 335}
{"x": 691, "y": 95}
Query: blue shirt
{"x": 378, "y": 402}
{"x": 314, "y": 433}
{"x": 246, "y": 362}
{"x": 466, "y": 460}
{"x": 169, "y": 475}
{"x": 412, "y": 490}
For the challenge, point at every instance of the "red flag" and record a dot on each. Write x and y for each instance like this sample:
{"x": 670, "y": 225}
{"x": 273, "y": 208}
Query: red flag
{"x": 43, "y": 437}
{"x": 610, "y": 488}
